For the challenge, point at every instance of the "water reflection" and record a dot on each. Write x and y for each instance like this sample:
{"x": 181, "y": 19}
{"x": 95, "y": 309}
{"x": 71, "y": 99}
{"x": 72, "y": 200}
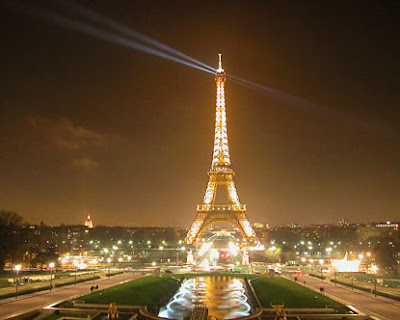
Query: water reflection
{"x": 224, "y": 297}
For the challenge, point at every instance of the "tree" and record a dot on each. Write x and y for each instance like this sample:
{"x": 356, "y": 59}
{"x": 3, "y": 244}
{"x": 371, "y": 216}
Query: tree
{"x": 273, "y": 254}
{"x": 9, "y": 221}
{"x": 386, "y": 257}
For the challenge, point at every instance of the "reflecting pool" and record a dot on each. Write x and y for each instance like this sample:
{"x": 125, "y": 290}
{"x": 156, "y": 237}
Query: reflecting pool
{"x": 224, "y": 298}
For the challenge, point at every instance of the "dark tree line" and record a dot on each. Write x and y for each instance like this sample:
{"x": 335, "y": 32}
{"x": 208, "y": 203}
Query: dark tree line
{"x": 387, "y": 257}
{"x": 9, "y": 222}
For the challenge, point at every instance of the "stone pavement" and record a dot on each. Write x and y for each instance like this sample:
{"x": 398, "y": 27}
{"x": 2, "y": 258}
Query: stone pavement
{"x": 12, "y": 306}
{"x": 384, "y": 309}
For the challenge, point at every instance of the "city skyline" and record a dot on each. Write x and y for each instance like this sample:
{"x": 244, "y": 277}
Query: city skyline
{"x": 90, "y": 127}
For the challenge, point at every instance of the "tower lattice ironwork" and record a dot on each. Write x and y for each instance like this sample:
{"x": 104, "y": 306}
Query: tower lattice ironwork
{"x": 221, "y": 173}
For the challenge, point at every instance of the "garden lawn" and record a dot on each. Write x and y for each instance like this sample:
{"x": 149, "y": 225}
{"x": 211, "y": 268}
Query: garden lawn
{"x": 144, "y": 291}
{"x": 278, "y": 290}
{"x": 4, "y": 283}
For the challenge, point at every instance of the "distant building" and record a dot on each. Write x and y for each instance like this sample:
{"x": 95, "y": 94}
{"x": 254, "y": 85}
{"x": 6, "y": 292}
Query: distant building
{"x": 88, "y": 222}
{"x": 388, "y": 224}
{"x": 258, "y": 225}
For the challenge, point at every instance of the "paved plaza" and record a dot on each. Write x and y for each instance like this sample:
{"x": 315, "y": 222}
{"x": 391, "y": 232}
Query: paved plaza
{"x": 381, "y": 308}
{"x": 12, "y": 306}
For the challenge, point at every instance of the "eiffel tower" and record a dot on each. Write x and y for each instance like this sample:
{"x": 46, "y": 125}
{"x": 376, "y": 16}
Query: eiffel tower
{"x": 221, "y": 173}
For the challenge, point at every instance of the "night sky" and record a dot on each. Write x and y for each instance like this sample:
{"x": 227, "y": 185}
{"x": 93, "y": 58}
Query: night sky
{"x": 91, "y": 126}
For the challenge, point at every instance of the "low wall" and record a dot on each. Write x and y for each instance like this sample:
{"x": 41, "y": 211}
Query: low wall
{"x": 23, "y": 316}
{"x": 365, "y": 289}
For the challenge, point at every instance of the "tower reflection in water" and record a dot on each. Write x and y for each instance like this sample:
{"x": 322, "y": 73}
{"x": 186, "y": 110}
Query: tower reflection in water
{"x": 224, "y": 297}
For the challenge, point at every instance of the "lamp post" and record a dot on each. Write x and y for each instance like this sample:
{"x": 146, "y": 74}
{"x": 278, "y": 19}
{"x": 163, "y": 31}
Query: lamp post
{"x": 161, "y": 249}
{"x": 374, "y": 269}
{"x": 109, "y": 266}
{"x": 321, "y": 262}
{"x": 51, "y": 265}
{"x": 76, "y": 270}
{"x": 17, "y": 268}
{"x": 177, "y": 251}
{"x": 334, "y": 275}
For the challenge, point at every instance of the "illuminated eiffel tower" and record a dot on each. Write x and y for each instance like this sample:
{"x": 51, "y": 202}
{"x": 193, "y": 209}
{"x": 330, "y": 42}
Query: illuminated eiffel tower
{"x": 221, "y": 173}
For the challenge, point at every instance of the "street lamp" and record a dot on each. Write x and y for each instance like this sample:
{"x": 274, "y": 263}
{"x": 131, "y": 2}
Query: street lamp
{"x": 109, "y": 266}
{"x": 334, "y": 275}
{"x": 51, "y": 265}
{"x": 161, "y": 249}
{"x": 374, "y": 269}
{"x": 17, "y": 268}
{"x": 177, "y": 251}
{"x": 321, "y": 262}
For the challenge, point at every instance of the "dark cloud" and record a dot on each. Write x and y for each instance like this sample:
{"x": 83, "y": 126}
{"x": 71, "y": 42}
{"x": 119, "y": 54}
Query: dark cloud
{"x": 66, "y": 135}
{"x": 85, "y": 164}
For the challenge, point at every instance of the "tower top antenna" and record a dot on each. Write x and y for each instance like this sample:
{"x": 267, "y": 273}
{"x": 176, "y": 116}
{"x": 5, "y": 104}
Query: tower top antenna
{"x": 220, "y": 69}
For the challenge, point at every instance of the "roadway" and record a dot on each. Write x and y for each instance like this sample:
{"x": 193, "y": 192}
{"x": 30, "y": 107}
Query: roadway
{"x": 382, "y": 308}
{"x": 12, "y": 306}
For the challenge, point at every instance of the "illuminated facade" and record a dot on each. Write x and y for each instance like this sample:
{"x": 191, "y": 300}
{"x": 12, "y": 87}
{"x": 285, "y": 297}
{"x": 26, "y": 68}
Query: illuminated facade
{"x": 221, "y": 173}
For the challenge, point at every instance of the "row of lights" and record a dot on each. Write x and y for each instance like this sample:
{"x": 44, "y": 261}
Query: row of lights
{"x": 17, "y": 268}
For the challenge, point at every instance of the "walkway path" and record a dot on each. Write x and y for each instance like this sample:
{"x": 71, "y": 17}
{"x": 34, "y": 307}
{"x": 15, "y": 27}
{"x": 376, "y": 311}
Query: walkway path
{"x": 383, "y": 309}
{"x": 56, "y": 282}
{"x": 12, "y": 306}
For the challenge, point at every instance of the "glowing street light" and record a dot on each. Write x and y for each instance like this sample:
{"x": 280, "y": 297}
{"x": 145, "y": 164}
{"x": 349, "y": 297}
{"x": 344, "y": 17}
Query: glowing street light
{"x": 328, "y": 250}
{"x": 374, "y": 270}
{"x": 51, "y": 265}
{"x": 321, "y": 262}
{"x": 161, "y": 248}
{"x": 109, "y": 266}
{"x": 17, "y": 268}
{"x": 76, "y": 270}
